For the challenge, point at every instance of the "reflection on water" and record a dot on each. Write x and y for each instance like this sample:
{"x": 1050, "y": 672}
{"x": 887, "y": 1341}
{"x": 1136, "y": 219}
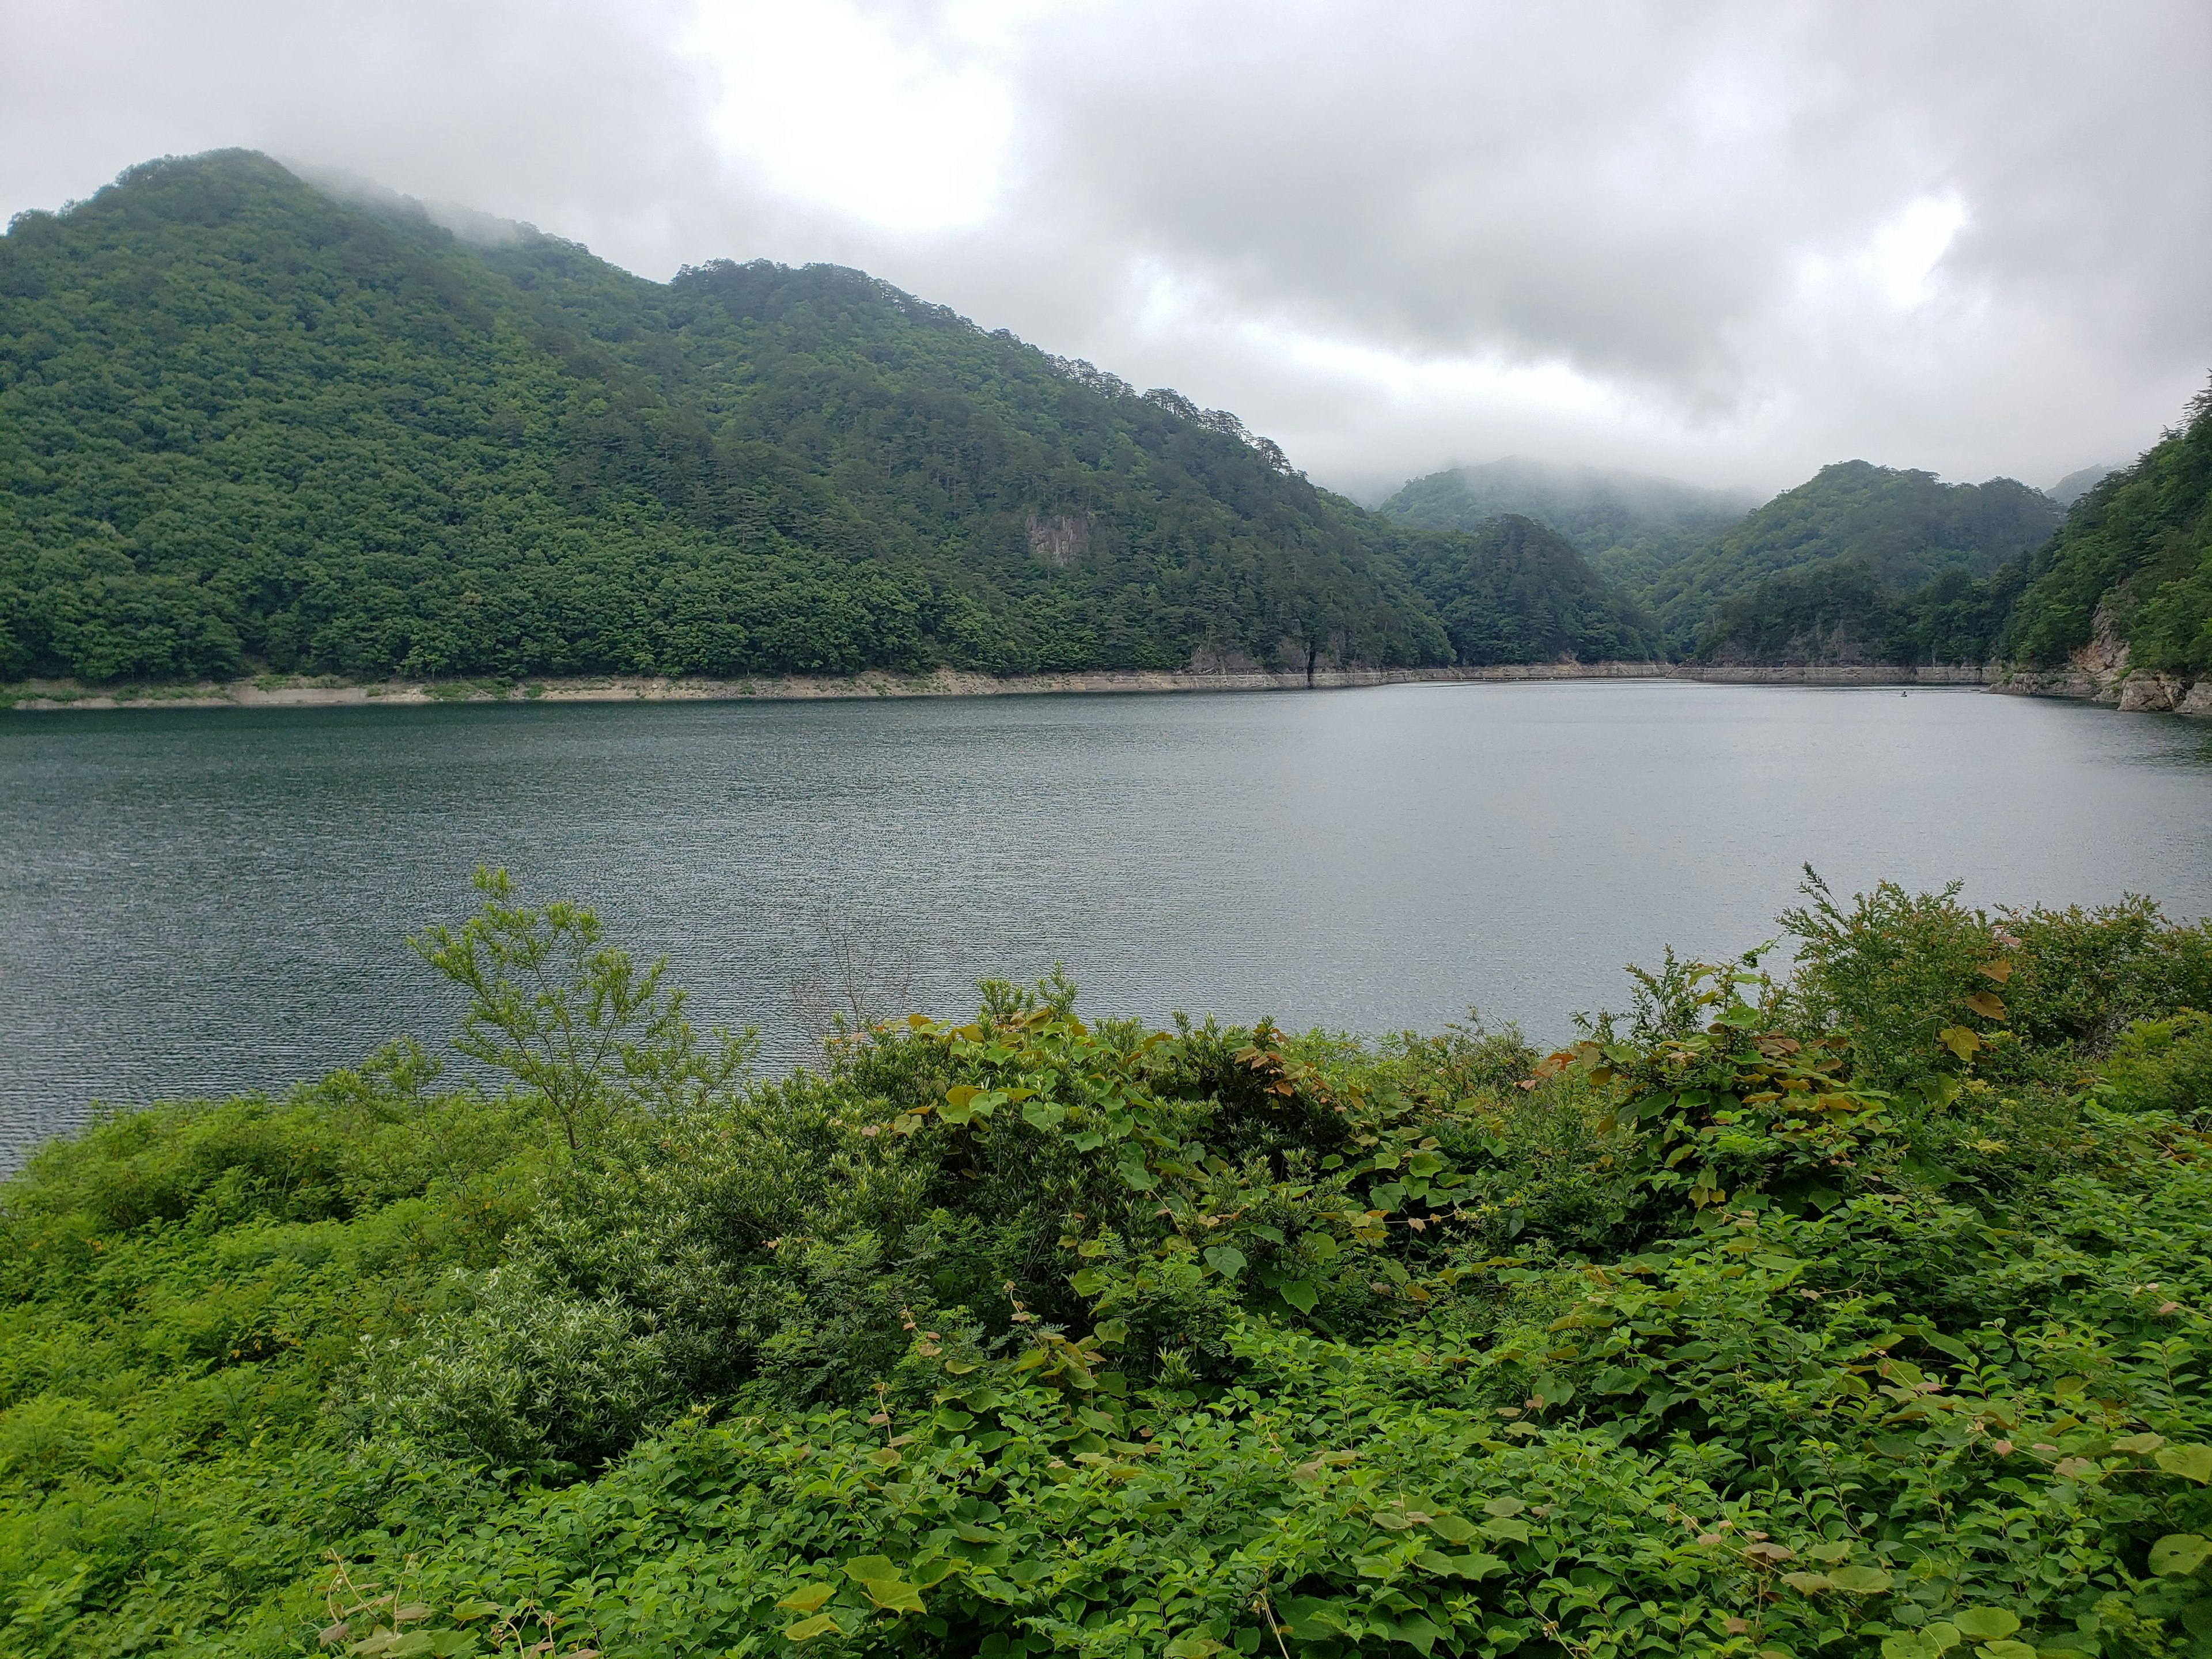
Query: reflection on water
{"x": 198, "y": 902}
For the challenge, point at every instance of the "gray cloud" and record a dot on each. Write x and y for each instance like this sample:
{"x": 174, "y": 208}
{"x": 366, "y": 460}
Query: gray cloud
{"x": 1688, "y": 237}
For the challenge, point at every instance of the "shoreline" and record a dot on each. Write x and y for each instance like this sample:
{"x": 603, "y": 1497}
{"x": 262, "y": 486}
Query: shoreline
{"x": 300, "y": 691}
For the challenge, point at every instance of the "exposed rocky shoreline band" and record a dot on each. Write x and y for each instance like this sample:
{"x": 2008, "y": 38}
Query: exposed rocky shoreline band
{"x": 2093, "y": 682}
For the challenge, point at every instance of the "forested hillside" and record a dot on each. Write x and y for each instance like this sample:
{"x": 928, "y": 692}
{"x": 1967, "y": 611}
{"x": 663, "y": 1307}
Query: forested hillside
{"x": 1629, "y": 526}
{"x": 1514, "y": 592}
{"x": 1902, "y": 530}
{"x": 2130, "y": 566}
{"x": 245, "y": 423}
{"x": 2137, "y": 550}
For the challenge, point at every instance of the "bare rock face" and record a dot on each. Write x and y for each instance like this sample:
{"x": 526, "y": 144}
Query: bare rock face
{"x": 2197, "y": 700}
{"x": 2152, "y": 694}
{"x": 2104, "y": 660}
{"x": 1060, "y": 538}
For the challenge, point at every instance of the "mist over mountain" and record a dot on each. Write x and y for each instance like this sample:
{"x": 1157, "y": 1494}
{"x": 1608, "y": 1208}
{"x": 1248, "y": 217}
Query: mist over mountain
{"x": 2079, "y": 482}
{"x": 1629, "y": 525}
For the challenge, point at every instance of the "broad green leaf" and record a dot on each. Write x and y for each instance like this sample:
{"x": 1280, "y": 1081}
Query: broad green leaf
{"x": 1742, "y": 1017}
{"x": 1985, "y": 1623}
{"x": 2191, "y": 1463}
{"x": 1987, "y": 1004}
{"x": 1044, "y": 1115}
{"x": 807, "y": 1597}
{"x": 892, "y": 1594}
{"x": 2005, "y": 1650}
{"x": 1501, "y": 1507}
{"x": 2179, "y": 1554}
{"x": 1322, "y": 1246}
{"x": 1419, "y": 1632}
{"x": 1809, "y": 1583}
{"x": 1452, "y": 1529}
{"x": 1194, "y": 1647}
{"x": 871, "y": 1566}
{"x": 1225, "y": 1259}
{"x": 807, "y": 1629}
{"x": 1959, "y": 1041}
{"x": 2000, "y": 969}
{"x": 1088, "y": 1281}
{"x": 1301, "y": 1295}
{"x": 1860, "y": 1581}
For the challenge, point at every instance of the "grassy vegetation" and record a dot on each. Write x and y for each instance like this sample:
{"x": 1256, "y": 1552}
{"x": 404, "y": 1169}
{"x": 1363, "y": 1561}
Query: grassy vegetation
{"x": 1859, "y": 1313}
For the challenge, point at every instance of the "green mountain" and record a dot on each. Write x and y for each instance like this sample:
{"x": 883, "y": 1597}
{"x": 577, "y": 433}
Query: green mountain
{"x": 2137, "y": 550}
{"x": 2130, "y": 566}
{"x": 1853, "y": 528}
{"x": 243, "y": 421}
{"x": 1629, "y": 525}
{"x": 1515, "y": 591}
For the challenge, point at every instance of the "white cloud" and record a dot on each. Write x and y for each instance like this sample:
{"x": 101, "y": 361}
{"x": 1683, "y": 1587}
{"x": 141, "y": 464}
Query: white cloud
{"x": 1729, "y": 239}
{"x": 832, "y": 106}
{"x": 1907, "y": 249}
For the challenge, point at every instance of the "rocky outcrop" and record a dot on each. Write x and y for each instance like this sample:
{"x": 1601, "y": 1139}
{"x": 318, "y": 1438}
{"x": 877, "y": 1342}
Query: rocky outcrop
{"x": 2197, "y": 700}
{"x": 2153, "y": 694}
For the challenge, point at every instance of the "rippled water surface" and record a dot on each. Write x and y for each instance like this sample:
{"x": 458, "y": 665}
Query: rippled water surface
{"x": 198, "y": 902}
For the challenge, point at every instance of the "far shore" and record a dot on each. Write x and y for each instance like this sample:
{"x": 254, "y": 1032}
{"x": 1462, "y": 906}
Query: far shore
{"x": 306, "y": 691}
{"x": 303, "y": 692}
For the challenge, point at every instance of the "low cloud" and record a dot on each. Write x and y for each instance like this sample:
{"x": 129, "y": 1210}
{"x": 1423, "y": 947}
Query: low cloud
{"x": 1727, "y": 241}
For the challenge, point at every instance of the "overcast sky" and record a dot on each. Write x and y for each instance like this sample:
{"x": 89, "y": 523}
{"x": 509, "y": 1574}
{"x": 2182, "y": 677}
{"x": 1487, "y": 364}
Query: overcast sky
{"x": 1728, "y": 242}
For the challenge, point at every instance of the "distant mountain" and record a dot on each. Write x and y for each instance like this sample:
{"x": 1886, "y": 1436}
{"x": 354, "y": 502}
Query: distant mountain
{"x": 1904, "y": 529}
{"x": 1629, "y": 525}
{"x": 247, "y": 422}
{"x": 2074, "y": 485}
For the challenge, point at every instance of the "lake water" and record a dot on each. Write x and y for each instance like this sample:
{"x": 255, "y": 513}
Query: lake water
{"x": 203, "y": 902}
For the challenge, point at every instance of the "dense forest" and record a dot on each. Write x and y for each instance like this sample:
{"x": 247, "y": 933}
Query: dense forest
{"x": 1905, "y": 530}
{"x": 1858, "y": 1313}
{"x": 2132, "y": 559}
{"x": 244, "y": 424}
{"x": 2136, "y": 552}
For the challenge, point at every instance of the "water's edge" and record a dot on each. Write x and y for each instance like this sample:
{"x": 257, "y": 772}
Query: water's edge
{"x": 273, "y": 692}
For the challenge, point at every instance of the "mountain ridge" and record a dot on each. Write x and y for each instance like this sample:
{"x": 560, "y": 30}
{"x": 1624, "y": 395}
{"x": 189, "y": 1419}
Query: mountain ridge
{"x": 246, "y": 423}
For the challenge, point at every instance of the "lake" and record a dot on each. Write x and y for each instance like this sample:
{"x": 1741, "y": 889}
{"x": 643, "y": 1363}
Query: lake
{"x": 198, "y": 902}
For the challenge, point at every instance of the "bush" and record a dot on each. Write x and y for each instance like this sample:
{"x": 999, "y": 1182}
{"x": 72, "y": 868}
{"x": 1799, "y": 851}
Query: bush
{"x": 1777, "y": 1318}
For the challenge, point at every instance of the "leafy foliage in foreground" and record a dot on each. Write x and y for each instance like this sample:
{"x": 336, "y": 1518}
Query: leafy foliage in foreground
{"x": 1859, "y": 1314}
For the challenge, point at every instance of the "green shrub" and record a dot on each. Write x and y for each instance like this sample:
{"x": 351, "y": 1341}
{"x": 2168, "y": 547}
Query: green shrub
{"x": 1776, "y": 1318}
